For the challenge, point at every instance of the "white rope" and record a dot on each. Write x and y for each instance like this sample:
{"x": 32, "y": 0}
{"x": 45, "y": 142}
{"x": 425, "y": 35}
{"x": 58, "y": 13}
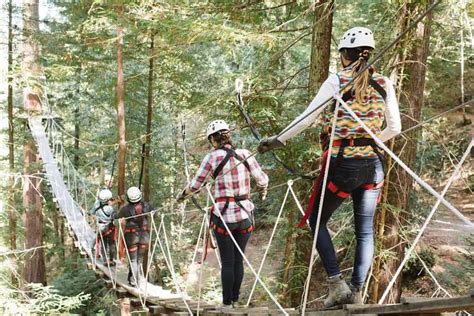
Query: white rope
{"x": 269, "y": 243}
{"x": 320, "y": 208}
{"x": 425, "y": 224}
{"x": 243, "y": 254}
{"x": 171, "y": 266}
{"x": 440, "y": 288}
{"x": 106, "y": 258}
{"x": 298, "y": 204}
{"x": 201, "y": 268}
{"x": 404, "y": 166}
{"x": 133, "y": 270}
{"x": 196, "y": 248}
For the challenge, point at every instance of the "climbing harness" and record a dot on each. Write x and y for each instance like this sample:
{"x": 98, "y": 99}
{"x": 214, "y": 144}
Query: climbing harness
{"x": 230, "y": 153}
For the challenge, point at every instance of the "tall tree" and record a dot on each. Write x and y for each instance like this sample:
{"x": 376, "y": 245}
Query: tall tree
{"x": 11, "y": 147}
{"x": 149, "y": 115}
{"x": 400, "y": 183}
{"x": 298, "y": 253}
{"x": 120, "y": 95}
{"x": 34, "y": 271}
{"x": 320, "y": 45}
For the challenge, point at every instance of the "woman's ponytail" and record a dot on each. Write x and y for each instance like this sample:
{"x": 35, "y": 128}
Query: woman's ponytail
{"x": 360, "y": 57}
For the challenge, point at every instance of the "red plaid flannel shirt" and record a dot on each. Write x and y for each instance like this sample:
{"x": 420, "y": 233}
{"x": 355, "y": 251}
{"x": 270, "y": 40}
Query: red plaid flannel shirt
{"x": 235, "y": 182}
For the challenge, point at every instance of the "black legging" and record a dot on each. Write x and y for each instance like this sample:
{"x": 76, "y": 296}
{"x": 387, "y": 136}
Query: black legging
{"x": 232, "y": 271}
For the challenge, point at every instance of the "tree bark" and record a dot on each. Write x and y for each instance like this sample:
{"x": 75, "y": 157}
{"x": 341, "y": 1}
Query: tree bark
{"x": 34, "y": 271}
{"x": 320, "y": 45}
{"x": 298, "y": 253}
{"x": 77, "y": 135}
{"x": 11, "y": 147}
{"x": 400, "y": 184}
{"x": 149, "y": 116}
{"x": 120, "y": 90}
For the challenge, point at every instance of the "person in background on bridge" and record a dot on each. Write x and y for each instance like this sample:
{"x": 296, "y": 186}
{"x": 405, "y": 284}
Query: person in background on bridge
{"x": 104, "y": 212}
{"x": 231, "y": 168}
{"x": 356, "y": 166}
{"x": 136, "y": 232}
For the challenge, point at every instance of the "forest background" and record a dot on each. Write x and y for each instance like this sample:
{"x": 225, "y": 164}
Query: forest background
{"x": 179, "y": 62}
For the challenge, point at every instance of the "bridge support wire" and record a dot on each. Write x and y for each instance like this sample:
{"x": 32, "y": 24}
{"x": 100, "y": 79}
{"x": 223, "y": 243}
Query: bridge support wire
{"x": 269, "y": 243}
{"x": 427, "y": 221}
{"x": 320, "y": 208}
{"x": 208, "y": 188}
{"x": 142, "y": 300}
{"x": 440, "y": 197}
{"x": 171, "y": 266}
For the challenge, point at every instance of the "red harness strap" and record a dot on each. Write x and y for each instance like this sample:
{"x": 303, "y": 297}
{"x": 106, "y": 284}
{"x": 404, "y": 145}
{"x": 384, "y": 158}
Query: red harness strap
{"x": 331, "y": 187}
{"x": 372, "y": 186}
{"x": 316, "y": 188}
{"x": 223, "y": 231}
{"x": 334, "y": 189}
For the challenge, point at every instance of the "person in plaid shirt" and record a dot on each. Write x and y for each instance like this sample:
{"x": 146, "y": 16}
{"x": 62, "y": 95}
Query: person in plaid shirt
{"x": 231, "y": 168}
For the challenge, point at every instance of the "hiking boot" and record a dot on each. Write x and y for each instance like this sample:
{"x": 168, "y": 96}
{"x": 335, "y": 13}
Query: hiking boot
{"x": 356, "y": 297}
{"x": 339, "y": 292}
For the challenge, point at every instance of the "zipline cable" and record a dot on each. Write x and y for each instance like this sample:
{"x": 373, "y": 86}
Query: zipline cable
{"x": 238, "y": 88}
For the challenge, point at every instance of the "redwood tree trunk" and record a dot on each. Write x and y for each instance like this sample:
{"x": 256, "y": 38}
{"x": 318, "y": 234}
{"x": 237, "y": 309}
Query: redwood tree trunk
{"x": 146, "y": 176}
{"x": 320, "y": 45}
{"x": 34, "y": 271}
{"x": 298, "y": 253}
{"x": 400, "y": 184}
{"x": 11, "y": 148}
{"x": 120, "y": 90}
{"x": 149, "y": 115}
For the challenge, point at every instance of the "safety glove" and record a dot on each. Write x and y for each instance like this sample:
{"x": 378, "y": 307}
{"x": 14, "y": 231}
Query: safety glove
{"x": 262, "y": 192}
{"x": 268, "y": 144}
{"x": 184, "y": 194}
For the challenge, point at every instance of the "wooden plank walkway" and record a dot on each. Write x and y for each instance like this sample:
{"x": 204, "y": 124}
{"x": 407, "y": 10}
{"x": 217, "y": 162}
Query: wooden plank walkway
{"x": 163, "y": 302}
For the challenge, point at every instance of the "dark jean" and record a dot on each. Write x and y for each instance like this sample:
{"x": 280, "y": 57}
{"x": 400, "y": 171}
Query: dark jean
{"x": 232, "y": 271}
{"x": 349, "y": 174}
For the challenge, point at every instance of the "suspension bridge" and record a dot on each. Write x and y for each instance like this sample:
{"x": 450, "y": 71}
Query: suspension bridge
{"x": 72, "y": 195}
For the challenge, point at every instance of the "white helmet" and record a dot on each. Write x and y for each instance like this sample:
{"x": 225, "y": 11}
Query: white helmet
{"x": 105, "y": 195}
{"x": 357, "y": 37}
{"x": 216, "y": 126}
{"x": 134, "y": 194}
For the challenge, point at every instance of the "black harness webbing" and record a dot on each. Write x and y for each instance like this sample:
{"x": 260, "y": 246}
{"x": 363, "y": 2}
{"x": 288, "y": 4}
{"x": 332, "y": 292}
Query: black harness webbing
{"x": 230, "y": 153}
{"x": 374, "y": 84}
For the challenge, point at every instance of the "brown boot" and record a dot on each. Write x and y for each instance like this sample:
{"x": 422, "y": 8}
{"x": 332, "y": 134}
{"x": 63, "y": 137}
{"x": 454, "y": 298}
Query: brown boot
{"x": 356, "y": 297}
{"x": 339, "y": 292}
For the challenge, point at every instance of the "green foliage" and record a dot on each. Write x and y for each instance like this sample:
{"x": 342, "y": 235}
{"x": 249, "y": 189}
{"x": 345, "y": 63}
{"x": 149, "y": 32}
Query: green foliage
{"x": 48, "y": 300}
{"x": 414, "y": 268}
{"x": 77, "y": 281}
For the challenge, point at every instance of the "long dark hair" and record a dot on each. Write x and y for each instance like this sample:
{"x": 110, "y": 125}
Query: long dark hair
{"x": 359, "y": 56}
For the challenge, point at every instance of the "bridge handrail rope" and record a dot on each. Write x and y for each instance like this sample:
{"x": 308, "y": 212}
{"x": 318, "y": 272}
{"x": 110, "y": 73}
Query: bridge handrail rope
{"x": 320, "y": 207}
{"x": 107, "y": 259}
{"x": 208, "y": 188}
{"x": 262, "y": 262}
{"x": 427, "y": 220}
{"x": 168, "y": 260}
